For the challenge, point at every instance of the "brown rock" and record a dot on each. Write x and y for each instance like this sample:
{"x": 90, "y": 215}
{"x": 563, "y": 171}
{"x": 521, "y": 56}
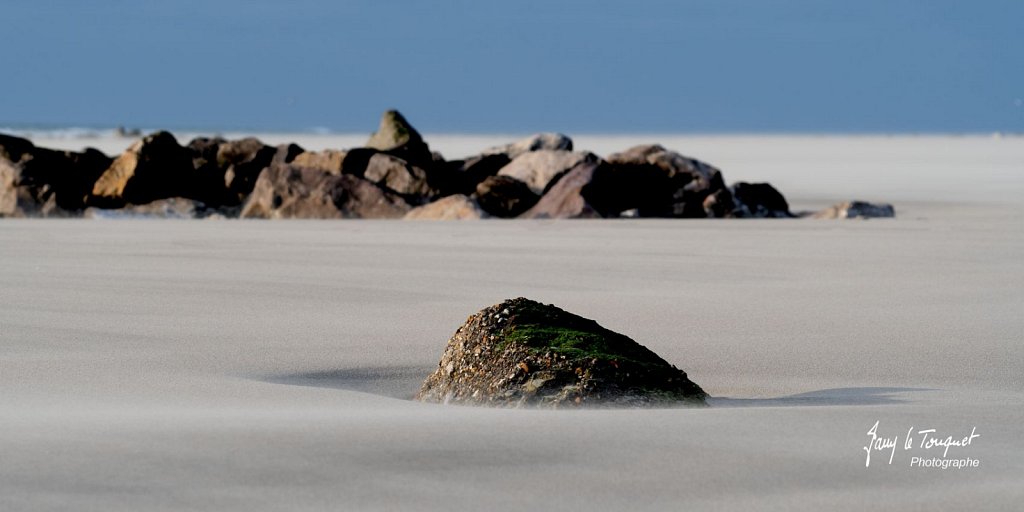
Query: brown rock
{"x": 156, "y": 167}
{"x": 655, "y": 182}
{"x": 289, "y": 191}
{"x": 9, "y": 190}
{"x": 566, "y": 199}
{"x": 464, "y": 175}
{"x": 204, "y": 151}
{"x": 241, "y": 162}
{"x": 44, "y": 182}
{"x": 504, "y": 196}
{"x": 328, "y": 160}
{"x": 400, "y": 177}
{"x": 455, "y": 207}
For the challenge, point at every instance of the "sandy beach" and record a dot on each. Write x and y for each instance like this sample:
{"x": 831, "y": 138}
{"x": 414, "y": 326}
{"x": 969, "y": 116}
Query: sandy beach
{"x": 268, "y": 365}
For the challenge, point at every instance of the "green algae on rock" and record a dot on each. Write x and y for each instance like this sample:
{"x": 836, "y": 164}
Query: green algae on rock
{"x": 521, "y": 353}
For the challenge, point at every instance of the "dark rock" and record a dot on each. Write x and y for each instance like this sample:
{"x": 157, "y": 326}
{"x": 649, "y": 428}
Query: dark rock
{"x": 44, "y": 182}
{"x": 857, "y": 209}
{"x": 242, "y": 162}
{"x": 759, "y": 200}
{"x": 522, "y": 352}
{"x": 357, "y": 160}
{"x": 224, "y": 171}
{"x": 566, "y": 199}
{"x": 464, "y": 175}
{"x": 719, "y": 204}
{"x": 504, "y": 196}
{"x": 156, "y": 167}
{"x": 75, "y": 186}
{"x": 289, "y": 191}
{"x": 14, "y": 148}
{"x": 654, "y": 181}
{"x": 397, "y": 137}
{"x": 541, "y": 169}
{"x": 204, "y": 151}
{"x": 454, "y": 207}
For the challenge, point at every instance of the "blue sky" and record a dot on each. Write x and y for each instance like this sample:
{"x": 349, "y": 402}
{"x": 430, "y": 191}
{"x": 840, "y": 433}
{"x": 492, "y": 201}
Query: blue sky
{"x": 479, "y": 66}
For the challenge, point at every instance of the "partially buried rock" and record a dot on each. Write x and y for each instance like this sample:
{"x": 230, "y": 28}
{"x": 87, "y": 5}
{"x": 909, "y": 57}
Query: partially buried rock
{"x": 455, "y": 207}
{"x": 856, "y": 209}
{"x": 521, "y": 352}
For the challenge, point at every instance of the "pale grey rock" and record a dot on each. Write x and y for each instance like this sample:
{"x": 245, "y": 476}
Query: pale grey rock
{"x": 541, "y": 169}
{"x": 536, "y": 142}
{"x": 857, "y": 209}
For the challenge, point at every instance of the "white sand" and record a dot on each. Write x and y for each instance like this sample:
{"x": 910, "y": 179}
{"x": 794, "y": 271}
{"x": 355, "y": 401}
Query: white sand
{"x": 252, "y": 365}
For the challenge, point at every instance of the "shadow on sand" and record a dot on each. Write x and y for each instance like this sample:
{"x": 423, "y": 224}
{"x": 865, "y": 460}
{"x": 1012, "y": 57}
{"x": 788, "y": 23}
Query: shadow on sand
{"x": 402, "y": 382}
{"x": 393, "y": 381}
{"x": 834, "y": 396}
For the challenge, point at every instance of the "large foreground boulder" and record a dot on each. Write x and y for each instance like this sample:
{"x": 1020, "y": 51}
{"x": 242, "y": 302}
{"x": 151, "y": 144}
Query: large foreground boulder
{"x": 521, "y": 352}
{"x": 289, "y": 191}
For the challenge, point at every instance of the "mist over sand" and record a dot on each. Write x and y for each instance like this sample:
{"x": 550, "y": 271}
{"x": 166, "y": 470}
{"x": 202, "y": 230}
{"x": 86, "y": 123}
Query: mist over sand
{"x": 240, "y": 365}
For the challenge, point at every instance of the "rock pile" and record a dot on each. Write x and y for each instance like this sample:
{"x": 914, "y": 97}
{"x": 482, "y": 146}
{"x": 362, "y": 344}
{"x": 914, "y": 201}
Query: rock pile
{"x": 394, "y": 175}
{"x": 524, "y": 353}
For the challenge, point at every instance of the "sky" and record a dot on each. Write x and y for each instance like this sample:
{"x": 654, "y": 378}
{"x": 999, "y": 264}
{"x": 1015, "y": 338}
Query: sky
{"x": 465, "y": 66}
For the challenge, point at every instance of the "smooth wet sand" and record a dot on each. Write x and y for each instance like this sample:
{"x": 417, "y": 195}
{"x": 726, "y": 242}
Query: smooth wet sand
{"x": 255, "y": 365}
